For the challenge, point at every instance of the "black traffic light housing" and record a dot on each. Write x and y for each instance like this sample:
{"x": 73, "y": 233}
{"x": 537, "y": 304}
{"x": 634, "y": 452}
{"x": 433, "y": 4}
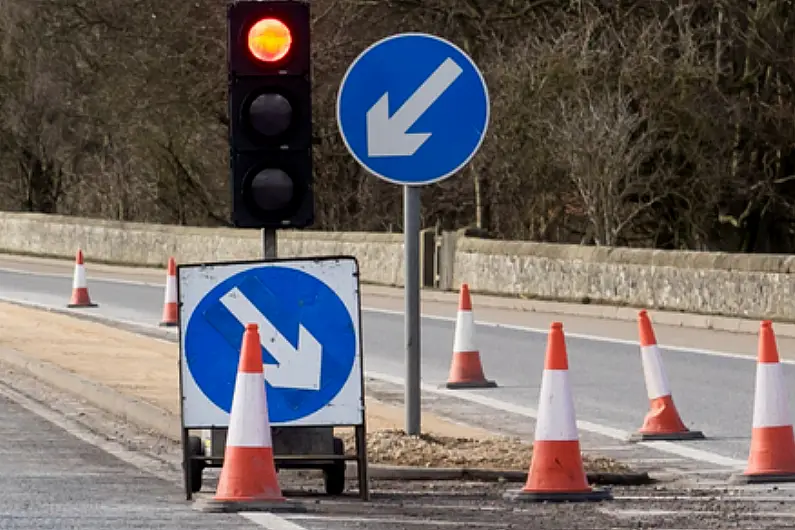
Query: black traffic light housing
{"x": 270, "y": 116}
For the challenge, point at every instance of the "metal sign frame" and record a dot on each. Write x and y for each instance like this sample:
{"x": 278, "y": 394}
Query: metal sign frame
{"x": 291, "y": 450}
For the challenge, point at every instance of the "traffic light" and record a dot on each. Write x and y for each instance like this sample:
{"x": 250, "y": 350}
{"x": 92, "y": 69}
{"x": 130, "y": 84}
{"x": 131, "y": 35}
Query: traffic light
{"x": 270, "y": 114}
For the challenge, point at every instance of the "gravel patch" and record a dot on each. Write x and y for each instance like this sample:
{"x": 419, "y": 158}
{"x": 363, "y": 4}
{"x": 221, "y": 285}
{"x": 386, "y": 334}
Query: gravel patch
{"x": 395, "y": 447}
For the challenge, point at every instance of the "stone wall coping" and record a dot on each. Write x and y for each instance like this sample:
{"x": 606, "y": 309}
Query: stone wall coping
{"x": 352, "y": 237}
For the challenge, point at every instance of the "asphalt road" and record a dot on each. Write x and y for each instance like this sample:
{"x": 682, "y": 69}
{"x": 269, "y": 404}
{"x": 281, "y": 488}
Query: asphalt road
{"x": 69, "y": 464}
{"x": 51, "y": 479}
{"x": 714, "y": 394}
{"x": 60, "y": 472}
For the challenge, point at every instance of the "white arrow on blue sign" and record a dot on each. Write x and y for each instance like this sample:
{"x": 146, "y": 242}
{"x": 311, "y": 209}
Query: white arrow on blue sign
{"x": 413, "y": 109}
{"x": 308, "y": 317}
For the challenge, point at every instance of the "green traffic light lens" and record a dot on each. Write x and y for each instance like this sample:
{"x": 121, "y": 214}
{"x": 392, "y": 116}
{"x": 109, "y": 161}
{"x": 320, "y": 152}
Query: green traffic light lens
{"x": 270, "y": 114}
{"x": 272, "y": 189}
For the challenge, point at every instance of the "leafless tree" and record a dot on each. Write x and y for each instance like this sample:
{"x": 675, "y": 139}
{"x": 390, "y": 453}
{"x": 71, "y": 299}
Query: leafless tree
{"x": 647, "y": 123}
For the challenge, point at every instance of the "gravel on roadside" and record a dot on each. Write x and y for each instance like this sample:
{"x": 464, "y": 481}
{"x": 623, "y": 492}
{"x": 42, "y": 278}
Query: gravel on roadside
{"x": 396, "y": 448}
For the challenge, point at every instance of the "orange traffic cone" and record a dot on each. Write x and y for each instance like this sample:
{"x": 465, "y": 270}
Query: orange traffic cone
{"x": 80, "y": 297}
{"x": 556, "y": 470}
{"x": 466, "y": 370}
{"x": 170, "y": 303}
{"x": 249, "y": 472}
{"x": 662, "y": 421}
{"x": 772, "y": 453}
{"x": 248, "y": 479}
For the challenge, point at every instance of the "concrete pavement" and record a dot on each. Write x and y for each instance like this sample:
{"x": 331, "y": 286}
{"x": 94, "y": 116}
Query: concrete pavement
{"x": 713, "y": 392}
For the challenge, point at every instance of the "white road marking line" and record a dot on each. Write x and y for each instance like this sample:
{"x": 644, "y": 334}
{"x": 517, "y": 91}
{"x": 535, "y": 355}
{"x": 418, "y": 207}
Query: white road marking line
{"x": 96, "y": 277}
{"x": 702, "y": 498}
{"x": 388, "y": 520}
{"x": 608, "y": 448}
{"x": 595, "y": 428}
{"x": 585, "y": 336}
{"x": 652, "y": 512}
{"x": 702, "y": 471}
{"x": 649, "y": 512}
{"x": 271, "y": 521}
{"x": 663, "y": 460}
{"x": 663, "y": 498}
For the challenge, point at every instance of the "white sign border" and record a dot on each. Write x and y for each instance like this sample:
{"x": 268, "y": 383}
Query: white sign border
{"x": 339, "y": 273}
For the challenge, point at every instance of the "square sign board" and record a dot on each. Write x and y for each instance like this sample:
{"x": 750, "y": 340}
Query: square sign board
{"x": 309, "y": 317}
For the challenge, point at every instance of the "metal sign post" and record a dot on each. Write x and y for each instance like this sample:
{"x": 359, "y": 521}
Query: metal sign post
{"x": 413, "y": 110}
{"x": 411, "y": 238}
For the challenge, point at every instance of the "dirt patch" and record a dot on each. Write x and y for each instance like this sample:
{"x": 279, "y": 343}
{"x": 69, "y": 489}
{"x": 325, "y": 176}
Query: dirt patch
{"x": 144, "y": 367}
{"x": 395, "y": 447}
{"x": 132, "y": 364}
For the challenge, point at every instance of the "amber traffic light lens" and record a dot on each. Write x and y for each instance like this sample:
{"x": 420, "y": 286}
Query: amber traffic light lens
{"x": 269, "y": 40}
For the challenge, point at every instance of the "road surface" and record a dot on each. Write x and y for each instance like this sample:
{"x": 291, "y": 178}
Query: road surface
{"x": 713, "y": 393}
{"x": 51, "y": 479}
{"x": 59, "y": 472}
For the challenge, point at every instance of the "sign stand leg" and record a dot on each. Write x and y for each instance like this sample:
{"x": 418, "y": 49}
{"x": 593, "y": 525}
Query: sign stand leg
{"x": 411, "y": 235}
{"x": 186, "y": 468}
{"x": 362, "y": 472}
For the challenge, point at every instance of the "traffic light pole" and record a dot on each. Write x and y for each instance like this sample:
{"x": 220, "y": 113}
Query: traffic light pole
{"x": 269, "y": 244}
{"x": 411, "y": 242}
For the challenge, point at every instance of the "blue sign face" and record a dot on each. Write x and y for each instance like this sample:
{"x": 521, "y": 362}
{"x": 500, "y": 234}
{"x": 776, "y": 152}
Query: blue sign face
{"x": 303, "y": 324}
{"x": 413, "y": 109}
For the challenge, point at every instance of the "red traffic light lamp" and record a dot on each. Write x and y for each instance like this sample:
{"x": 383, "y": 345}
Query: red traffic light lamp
{"x": 269, "y": 40}
{"x": 270, "y": 36}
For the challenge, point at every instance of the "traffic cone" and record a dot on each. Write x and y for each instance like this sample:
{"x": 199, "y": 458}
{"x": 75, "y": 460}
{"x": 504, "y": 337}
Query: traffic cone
{"x": 556, "y": 470}
{"x": 772, "y": 454}
{"x": 466, "y": 370}
{"x": 248, "y": 476}
{"x": 80, "y": 297}
{"x": 662, "y": 422}
{"x": 170, "y": 304}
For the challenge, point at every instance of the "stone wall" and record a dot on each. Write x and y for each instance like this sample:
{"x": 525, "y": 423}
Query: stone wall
{"x": 755, "y": 286}
{"x": 380, "y": 255}
{"x": 748, "y": 285}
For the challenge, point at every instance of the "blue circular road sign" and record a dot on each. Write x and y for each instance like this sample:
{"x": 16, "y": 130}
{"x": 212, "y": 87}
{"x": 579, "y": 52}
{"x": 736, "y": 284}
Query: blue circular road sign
{"x": 413, "y": 109}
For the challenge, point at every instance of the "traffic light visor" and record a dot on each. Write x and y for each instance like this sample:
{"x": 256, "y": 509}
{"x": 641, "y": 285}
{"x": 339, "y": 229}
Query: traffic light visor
{"x": 269, "y": 40}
